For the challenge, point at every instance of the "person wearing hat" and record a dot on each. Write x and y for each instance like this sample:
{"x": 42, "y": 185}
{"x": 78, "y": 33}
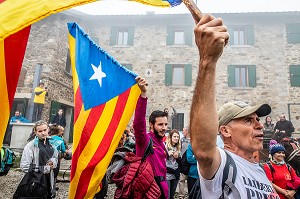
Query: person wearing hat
{"x": 237, "y": 122}
{"x": 40, "y": 94}
{"x": 283, "y": 176}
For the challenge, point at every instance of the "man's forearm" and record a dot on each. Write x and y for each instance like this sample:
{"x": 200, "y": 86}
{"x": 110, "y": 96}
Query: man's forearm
{"x": 204, "y": 119}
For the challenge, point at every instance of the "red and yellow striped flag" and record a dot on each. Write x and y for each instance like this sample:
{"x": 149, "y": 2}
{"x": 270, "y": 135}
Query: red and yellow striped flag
{"x": 105, "y": 98}
{"x": 18, "y": 14}
{"x": 12, "y": 51}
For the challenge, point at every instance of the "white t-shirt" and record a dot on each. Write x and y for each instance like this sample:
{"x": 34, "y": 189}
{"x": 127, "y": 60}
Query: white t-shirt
{"x": 251, "y": 181}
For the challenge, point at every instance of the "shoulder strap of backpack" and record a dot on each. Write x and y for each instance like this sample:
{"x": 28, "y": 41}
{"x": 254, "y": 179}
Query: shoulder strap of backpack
{"x": 271, "y": 169}
{"x": 148, "y": 150}
{"x": 229, "y": 176}
{"x": 289, "y": 168}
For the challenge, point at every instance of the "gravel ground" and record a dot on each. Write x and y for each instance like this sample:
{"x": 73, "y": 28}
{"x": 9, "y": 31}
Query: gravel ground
{"x": 10, "y": 182}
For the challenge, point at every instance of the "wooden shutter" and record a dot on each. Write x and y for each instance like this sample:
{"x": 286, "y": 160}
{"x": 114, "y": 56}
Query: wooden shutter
{"x": 130, "y": 35}
{"x": 188, "y": 34}
{"x": 293, "y": 33}
{"x": 170, "y": 35}
{"x": 295, "y": 75}
{"x": 128, "y": 66}
{"x": 188, "y": 74}
{"x": 252, "y": 75}
{"x": 250, "y": 35}
{"x": 231, "y": 35}
{"x": 231, "y": 75}
{"x": 168, "y": 74}
{"x": 68, "y": 63}
{"x": 113, "y": 35}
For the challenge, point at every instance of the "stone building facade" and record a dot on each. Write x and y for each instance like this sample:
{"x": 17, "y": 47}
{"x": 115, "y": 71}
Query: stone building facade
{"x": 261, "y": 64}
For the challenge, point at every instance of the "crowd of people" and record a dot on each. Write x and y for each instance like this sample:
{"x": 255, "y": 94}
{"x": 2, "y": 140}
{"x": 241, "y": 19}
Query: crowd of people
{"x": 236, "y": 124}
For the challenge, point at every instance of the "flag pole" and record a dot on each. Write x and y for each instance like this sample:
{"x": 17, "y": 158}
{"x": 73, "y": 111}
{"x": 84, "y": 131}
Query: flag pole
{"x": 195, "y": 11}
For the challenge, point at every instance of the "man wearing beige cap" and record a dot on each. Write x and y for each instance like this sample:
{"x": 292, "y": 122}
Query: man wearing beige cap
{"x": 237, "y": 122}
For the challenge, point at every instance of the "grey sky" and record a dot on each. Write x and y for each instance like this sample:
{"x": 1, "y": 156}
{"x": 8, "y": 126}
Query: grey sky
{"x": 122, "y": 7}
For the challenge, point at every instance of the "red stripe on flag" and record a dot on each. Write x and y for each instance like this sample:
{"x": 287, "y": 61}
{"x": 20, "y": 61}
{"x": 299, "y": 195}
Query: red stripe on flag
{"x": 103, "y": 147}
{"x": 78, "y": 104}
{"x": 1, "y": 1}
{"x": 87, "y": 131}
{"x": 14, "y": 49}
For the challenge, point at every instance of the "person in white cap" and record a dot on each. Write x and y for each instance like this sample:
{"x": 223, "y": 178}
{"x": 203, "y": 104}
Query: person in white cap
{"x": 237, "y": 122}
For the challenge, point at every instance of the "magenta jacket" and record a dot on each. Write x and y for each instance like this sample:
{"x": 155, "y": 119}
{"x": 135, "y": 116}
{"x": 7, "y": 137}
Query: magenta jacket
{"x": 142, "y": 138}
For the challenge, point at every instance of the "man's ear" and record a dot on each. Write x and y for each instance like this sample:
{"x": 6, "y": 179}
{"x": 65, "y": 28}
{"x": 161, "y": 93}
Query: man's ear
{"x": 224, "y": 131}
{"x": 151, "y": 126}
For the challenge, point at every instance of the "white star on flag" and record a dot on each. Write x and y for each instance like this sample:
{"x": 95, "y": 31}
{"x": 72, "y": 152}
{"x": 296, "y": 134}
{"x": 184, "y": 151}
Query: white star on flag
{"x": 98, "y": 74}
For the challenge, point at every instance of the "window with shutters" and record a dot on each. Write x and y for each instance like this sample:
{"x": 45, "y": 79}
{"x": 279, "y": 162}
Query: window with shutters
{"x": 241, "y": 76}
{"x": 241, "y": 35}
{"x": 295, "y": 75}
{"x": 178, "y": 75}
{"x": 293, "y": 33}
{"x": 122, "y": 36}
{"x": 179, "y": 35}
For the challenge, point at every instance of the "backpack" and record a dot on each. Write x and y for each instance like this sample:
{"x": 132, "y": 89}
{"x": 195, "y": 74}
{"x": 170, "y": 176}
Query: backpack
{"x": 229, "y": 176}
{"x": 33, "y": 185}
{"x": 135, "y": 179}
{"x": 184, "y": 164}
{"x": 7, "y": 159}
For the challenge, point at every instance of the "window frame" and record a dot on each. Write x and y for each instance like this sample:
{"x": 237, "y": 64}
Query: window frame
{"x": 187, "y": 76}
{"x": 114, "y": 37}
{"x": 178, "y": 121}
{"x": 248, "y": 35}
{"x": 249, "y": 77}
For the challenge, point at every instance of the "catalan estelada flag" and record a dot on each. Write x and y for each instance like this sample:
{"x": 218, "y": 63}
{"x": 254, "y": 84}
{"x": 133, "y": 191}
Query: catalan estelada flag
{"x": 12, "y": 51}
{"x": 160, "y": 3}
{"x": 105, "y": 97}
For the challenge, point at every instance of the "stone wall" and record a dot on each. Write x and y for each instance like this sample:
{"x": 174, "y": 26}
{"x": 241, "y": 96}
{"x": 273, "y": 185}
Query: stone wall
{"x": 149, "y": 54}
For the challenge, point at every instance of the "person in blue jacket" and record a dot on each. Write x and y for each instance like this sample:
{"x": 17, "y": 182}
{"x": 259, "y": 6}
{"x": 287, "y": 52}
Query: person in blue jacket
{"x": 18, "y": 118}
{"x": 193, "y": 172}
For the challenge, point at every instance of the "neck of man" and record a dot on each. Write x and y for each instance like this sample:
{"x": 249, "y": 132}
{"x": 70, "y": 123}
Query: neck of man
{"x": 247, "y": 155}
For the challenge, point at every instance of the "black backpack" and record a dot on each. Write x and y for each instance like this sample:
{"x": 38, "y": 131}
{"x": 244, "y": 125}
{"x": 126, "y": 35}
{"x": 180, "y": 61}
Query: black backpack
{"x": 184, "y": 164}
{"x": 229, "y": 176}
{"x": 33, "y": 185}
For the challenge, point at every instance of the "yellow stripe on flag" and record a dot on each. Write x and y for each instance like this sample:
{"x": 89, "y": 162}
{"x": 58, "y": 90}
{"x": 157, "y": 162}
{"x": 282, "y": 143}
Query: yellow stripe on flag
{"x": 72, "y": 44}
{"x": 128, "y": 111}
{"x": 93, "y": 143}
{"x": 78, "y": 127}
{"x": 159, "y": 3}
{"x": 4, "y": 101}
{"x": 18, "y": 14}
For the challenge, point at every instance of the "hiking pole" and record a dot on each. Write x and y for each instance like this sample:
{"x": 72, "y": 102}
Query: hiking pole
{"x": 195, "y": 11}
